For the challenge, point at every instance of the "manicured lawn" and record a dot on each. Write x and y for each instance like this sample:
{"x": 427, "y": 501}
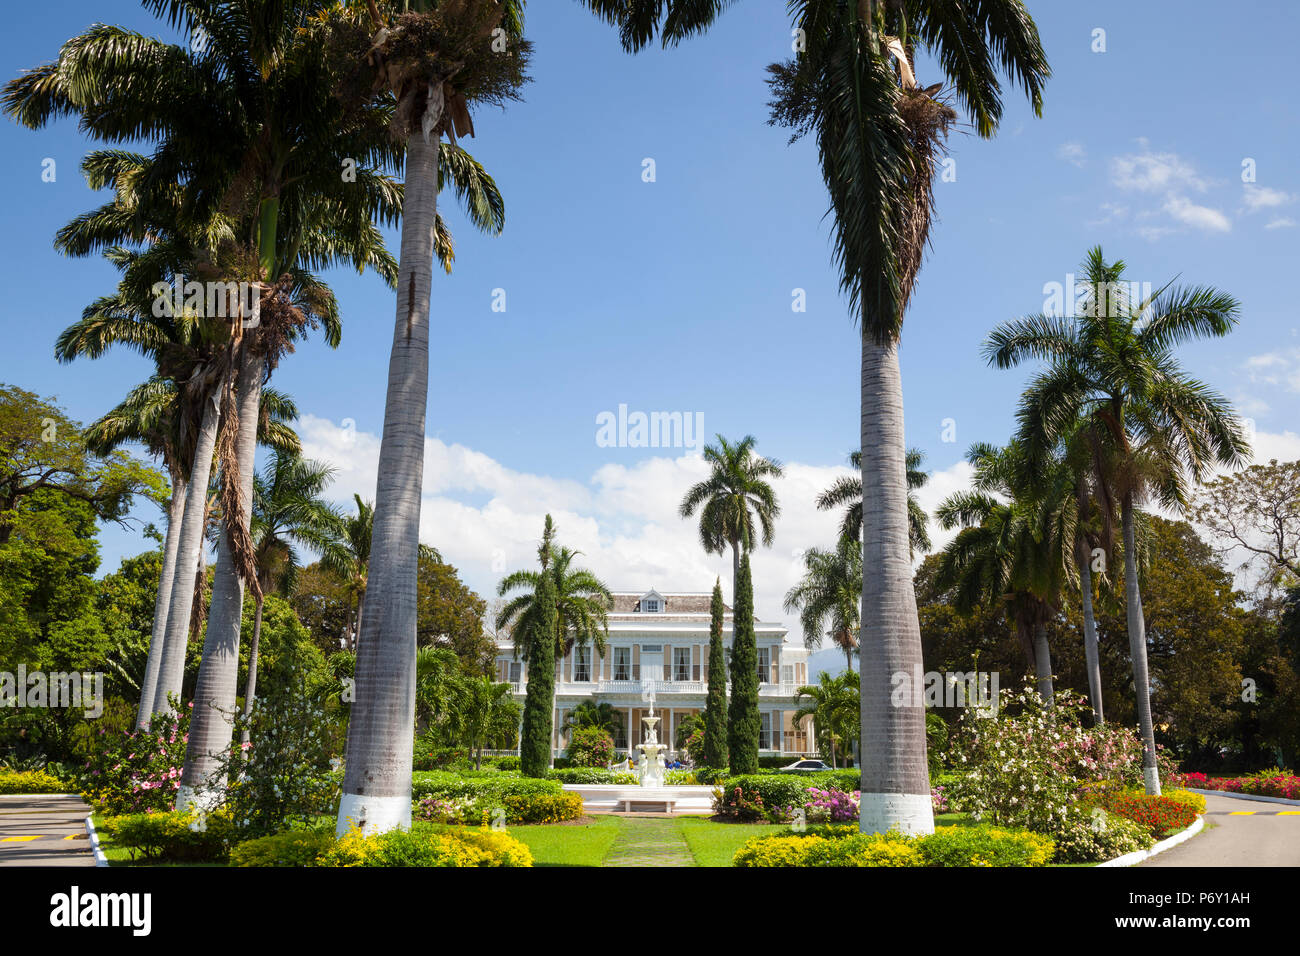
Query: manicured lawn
{"x": 714, "y": 844}
{"x": 569, "y": 844}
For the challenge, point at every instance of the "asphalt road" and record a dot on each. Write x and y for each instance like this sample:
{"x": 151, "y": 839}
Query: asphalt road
{"x": 44, "y": 831}
{"x": 1239, "y": 833}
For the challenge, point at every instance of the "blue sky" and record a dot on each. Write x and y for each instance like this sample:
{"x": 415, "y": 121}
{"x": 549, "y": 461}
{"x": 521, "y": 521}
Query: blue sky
{"x": 675, "y": 295}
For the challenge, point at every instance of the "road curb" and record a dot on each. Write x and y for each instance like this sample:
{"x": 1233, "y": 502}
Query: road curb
{"x": 1131, "y": 859}
{"x": 100, "y": 858}
{"x": 1246, "y": 796}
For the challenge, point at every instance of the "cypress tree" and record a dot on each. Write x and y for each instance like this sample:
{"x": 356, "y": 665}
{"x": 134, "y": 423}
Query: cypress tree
{"x": 742, "y": 715}
{"x": 535, "y": 737}
{"x": 715, "y": 708}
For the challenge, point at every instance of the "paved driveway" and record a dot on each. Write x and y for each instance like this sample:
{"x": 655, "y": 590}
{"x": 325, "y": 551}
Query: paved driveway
{"x": 1239, "y": 833}
{"x": 44, "y": 831}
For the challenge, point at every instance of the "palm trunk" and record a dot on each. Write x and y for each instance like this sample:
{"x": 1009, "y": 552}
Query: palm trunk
{"x": 171, "y": 545}
{"x": 895, "y": 774}
{"x": 377, "y": 784}
{"x": 250, "y": 688}
{"x": 1137, "y": 643}
{"x": 361, "y": 607}
{"x": 1043, "y": 664}
{"x": 1090, "y": 651}
{"x": 171, "y": 671}
{"x": 211, "y": 722}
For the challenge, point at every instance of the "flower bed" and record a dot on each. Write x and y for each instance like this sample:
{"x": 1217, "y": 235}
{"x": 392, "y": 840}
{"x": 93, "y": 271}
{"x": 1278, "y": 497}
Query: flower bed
{"x": 1272, "y": 783}
{"x": 422, "y": 845}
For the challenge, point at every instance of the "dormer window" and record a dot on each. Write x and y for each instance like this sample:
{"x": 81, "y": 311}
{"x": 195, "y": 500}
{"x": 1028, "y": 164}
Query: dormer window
{"x": 652, "y": 602}
{"x": 650, "y": 605}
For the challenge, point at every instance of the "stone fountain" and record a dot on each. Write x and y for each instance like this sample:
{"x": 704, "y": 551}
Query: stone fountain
{"x": 650, "y": 769}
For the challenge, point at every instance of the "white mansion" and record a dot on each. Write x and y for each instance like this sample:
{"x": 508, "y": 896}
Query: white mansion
{"x": 659, "y": 643}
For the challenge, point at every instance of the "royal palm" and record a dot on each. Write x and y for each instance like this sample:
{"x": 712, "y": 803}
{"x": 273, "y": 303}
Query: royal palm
{"x": 1111, "y": 366}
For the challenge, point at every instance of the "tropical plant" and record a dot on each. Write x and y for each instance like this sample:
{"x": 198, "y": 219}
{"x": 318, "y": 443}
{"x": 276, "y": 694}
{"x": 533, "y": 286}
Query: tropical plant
{"x": 604, "y": 716}
{"x": 1113, "y": 367}
{"x": 847, "y": 493}
{"x": 426, "y": 64}
{"x": 536, "y": 754}
{"x": 736, "y": 493}
{"x": 833, "y": 703}
{"x": 828, "y": 598}
{"x": 484, "y": 714}
{"x": 879, "y": 139}
{"x": 288, "y": 512}
{"x": 581, "y": 606}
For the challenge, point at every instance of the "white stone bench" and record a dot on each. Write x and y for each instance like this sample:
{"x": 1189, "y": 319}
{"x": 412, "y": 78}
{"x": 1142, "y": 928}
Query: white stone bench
{"x": 666, "y": 797}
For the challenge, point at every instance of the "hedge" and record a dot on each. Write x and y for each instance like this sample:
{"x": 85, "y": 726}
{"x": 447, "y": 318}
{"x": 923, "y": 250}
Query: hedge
{"x": 31, "y": 781}
{"x": 172, "y": 837}
{"x": 437, "y": 783}
{"x": 982, "y": 845}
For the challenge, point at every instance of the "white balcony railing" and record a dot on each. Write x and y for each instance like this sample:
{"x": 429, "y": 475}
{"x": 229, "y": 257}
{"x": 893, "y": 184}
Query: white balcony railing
{"x": 639, "y": 687}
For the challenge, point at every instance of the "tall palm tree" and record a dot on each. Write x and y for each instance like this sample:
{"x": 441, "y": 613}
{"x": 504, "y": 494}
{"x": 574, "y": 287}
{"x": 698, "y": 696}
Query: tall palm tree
{"x": 833, "y": 704}
{"x": 288, "y": 513}
{"x": 582, "y": 605}
{"x": 1012, "y": 551}
{"x": 830, "y": 595}
{"x": 153, "y": 414}
{"x": 1114, "y": 368}
{"x": 349, "y": 559}
{"x": 847, "y": 491}
{"x": 432, "y": 61}
{"x": 736, "y": 492}
{"x": 603, "y": 716}
{"x": 879, "y": 138}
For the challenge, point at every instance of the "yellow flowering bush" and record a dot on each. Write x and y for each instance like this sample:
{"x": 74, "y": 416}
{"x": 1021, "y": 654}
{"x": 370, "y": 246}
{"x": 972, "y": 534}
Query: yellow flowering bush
{"x": 947, "y": 846}
{"x": 425, "y": 845}
{"x": 775, "y": 851}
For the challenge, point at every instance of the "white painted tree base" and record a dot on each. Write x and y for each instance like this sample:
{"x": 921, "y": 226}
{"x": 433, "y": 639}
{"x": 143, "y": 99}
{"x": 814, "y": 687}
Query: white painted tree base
{"x": 373, "y": 815}
{"x": 1151, "y": 777}
{"x": 911, "y": 814}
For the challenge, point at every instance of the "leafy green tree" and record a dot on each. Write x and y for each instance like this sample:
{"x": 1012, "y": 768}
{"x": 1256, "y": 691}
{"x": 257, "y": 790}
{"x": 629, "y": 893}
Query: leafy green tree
{"x": 829, "y": 597}
{"x": 1258, "y": 511}
{"x": 715, "y": 706}
{"x": 1114, "y": 367}
{"x": 743, "y": 723}
{"x": 604, "y": 716}
{"x": 451, "y": 615}
{"x": 736, "y": 493}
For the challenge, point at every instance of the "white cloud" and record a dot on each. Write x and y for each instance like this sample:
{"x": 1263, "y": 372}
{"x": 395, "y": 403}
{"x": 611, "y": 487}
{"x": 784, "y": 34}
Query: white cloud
{"x": 1259, "y": 197}
{"x": 1072, "y": 153}
{"x": 1279, "y": 369}
{"x": 1146, "y": 171}
{"x": 1282, "y": 222}
{"x": 1199, "y": 217}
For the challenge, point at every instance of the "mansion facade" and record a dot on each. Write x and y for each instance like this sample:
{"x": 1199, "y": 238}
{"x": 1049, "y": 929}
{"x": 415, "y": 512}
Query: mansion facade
{"x": 658, "y": 646}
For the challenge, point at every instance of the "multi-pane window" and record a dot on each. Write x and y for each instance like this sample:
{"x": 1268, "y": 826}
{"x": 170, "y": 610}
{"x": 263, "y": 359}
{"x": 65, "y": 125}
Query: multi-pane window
{"x": 651, "y": 605}
{"x": 622, "y": 663}
{"x": 764, "y": 665}
{"x": 582, "y": 664}
{"x": 681, "y": 663}
{"x": 765, "y": 732}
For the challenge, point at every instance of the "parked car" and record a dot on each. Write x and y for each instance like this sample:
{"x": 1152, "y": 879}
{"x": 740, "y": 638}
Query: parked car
{"x": 807, "y": 765}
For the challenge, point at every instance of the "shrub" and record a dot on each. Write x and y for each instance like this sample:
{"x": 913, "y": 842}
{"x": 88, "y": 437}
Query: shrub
{"x": 939, "y": 799}
{"x": 428, "y": 845}
{"x": 30, "y": 781}
{"x": 488, "y": 785}
{"x": 863, "y": 849}
{"x": 590, "y": 747}
{"x": 678, "y": 778}
{"x": 510, "y": 764}
{"x": 1194, "y": 800}
{"x": 774, "y": 851}
{"x": 542, "y": 807}
{"x": 284, "y": 776}
{"x": 830, "y": 805}
{"x": 1090, "y": 837}
{"x": 1161, "y": 815}
{"x": 984, "y": 845}
{"x": 290, "y": 848}
{"x": 592, "y": 775}
{"x": 1267, "y": 783}
{"x": 173, "y": 837}
{"x": 138, "y": 771}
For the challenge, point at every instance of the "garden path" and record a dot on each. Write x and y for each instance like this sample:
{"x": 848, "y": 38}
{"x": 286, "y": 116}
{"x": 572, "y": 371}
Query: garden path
{"x": 649, "y": 841}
